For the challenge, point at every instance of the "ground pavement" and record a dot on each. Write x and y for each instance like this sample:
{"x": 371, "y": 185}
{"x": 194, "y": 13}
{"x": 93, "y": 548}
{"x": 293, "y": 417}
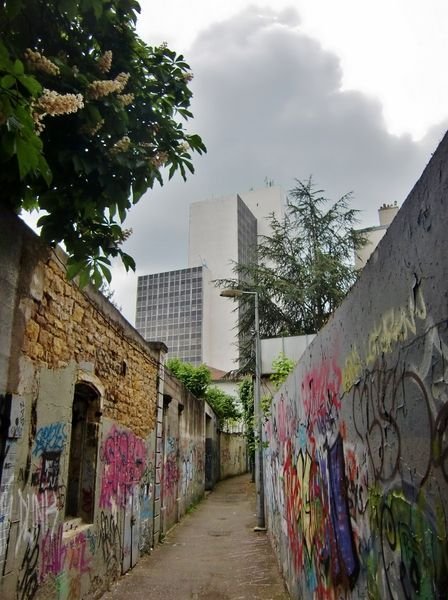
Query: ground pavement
{"x": 213, "y": 554}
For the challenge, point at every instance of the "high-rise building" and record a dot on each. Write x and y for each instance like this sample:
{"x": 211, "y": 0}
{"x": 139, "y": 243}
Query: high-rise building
{"x": 222, "y": 232}
{"x": 170, "y": 308}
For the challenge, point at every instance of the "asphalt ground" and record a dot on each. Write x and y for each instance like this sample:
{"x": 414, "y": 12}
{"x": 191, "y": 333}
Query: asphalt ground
{"x": 212, "y": 554}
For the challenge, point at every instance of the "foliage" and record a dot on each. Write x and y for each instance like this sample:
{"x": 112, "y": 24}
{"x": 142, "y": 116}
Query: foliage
{"x": 223, "y": 404}
{"x": 304, "y": 268}
{"x": 195, "y": 379}
{"x": 89, "y": 116}
{"x": 246, "y": 397}
{"x": 282, "y": 366}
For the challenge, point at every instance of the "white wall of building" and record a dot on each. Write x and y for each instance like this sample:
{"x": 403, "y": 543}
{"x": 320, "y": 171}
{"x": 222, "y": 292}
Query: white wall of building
{"x": 386, "y": 214}
{"x": 213, "y": 242}
{"x": 262, "y": 203}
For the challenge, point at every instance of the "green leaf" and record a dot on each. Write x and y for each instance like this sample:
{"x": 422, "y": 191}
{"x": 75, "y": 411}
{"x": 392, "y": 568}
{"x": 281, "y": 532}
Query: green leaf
{"x": 30, "y": 84}
{"x": 84, "y": 277}
{"x": 74, "y": 268}
{"x": 128, "y": 261}
{"x": 18, "y": 68}
{"x": 26, "y": 157}
{"x": 8, "y": 81}
{"x": 106, "y": 272}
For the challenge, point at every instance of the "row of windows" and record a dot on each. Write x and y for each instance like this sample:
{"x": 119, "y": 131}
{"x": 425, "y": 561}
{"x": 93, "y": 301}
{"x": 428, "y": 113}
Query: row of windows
{"x": 176, "y": 314}
{"x": 173, "y": 332}
{"x": 170, "y": 274}
{"x": 170, "y": 301}
{"x": 194, "y": 303}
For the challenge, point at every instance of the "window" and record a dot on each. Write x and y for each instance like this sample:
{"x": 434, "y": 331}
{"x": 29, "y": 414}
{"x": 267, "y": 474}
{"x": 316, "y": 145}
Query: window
{"x": 83, "y": 453}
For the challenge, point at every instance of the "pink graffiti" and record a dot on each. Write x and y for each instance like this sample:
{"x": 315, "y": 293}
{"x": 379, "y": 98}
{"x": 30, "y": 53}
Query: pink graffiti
{"x": 320, "y": 392}
{"x": 57, "y": 556}
{"x": 124, "y": 459}
{"x": 285, "y": 420}
{"x": 52, "y": 553}
{"x": 170, "y": 473}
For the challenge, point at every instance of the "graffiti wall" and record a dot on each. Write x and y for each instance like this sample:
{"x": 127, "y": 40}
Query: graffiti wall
{"x": 356, "y": 459}
{"x": 183, "y": 480}
{"x": 233, "y": 459}
{"x": 78, "y": 395}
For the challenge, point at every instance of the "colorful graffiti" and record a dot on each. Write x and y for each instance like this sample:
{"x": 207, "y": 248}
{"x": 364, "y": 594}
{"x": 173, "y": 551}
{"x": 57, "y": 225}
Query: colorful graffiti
{"x": 356, "y": 466}
{"x": 123, "y": 458}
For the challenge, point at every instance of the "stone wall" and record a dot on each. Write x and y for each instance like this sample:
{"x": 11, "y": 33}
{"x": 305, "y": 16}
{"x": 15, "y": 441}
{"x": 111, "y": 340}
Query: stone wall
{"x": 62, "y": 537}
{"x": 356, "y": 468}
{"x": 233, "y": 459}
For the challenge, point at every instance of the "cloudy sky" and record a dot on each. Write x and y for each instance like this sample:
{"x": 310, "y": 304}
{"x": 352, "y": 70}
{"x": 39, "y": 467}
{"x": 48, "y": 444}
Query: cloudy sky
{"x": 354, "y": 92}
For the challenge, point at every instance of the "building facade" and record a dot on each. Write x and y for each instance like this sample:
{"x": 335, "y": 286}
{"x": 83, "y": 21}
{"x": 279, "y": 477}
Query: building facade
{"x": 222, "y": 232}
{"x": 170, "y": 306}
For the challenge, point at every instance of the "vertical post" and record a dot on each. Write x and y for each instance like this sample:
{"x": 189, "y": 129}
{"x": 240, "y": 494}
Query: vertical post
{"x": 259, "y": 483}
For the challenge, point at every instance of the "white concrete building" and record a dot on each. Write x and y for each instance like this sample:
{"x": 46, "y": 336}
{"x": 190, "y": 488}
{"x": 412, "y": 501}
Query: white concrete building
{"x": 386, "y": 215}
{"x": 222, "y": 232}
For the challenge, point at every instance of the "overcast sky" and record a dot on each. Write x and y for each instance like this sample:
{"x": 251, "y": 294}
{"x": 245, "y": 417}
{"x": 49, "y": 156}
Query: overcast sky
{"x": 354, "y": 92}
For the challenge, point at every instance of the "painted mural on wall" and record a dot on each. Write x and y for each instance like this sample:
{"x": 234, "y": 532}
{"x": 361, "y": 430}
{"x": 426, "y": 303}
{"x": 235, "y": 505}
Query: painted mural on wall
{"x": 357, "y": 461}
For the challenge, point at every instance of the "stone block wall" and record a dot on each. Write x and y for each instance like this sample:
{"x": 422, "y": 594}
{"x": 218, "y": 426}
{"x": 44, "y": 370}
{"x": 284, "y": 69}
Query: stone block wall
{"x": 356, "y": 464}
{"x": 75, "y": 512}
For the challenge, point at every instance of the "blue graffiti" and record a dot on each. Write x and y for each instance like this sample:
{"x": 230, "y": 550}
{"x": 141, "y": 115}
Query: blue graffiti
{"x": 50, "y": 438}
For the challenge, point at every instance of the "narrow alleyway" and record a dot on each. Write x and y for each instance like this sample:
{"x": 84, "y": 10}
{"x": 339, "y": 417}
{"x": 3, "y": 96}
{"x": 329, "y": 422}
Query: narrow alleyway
{"x": 213, "y": 554}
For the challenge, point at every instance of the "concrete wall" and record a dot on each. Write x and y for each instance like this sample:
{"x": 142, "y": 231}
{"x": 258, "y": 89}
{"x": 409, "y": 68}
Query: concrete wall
{"x": 183, "y": 481}
{"x": 60, "y": 344}
{"x": 292, "y": 347}
{"x": 233, "y": 454}
{"x": 356, "y": 469}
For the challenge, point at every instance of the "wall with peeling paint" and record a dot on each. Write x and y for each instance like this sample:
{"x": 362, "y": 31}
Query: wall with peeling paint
{"x": 60, "y": 537}
{"x": 183, "y": 482}
{"x": 356, "y": 464}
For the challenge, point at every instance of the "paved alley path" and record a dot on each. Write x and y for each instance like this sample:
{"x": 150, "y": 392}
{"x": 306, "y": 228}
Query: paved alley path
{"x": 213, "y": 554}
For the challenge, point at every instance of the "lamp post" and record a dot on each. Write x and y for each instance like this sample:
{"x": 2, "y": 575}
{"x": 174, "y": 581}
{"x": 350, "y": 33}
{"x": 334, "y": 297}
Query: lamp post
{"x": 259, "y": 483}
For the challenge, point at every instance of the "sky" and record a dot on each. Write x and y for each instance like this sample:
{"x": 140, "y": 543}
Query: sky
{"x": 353, "y": 92}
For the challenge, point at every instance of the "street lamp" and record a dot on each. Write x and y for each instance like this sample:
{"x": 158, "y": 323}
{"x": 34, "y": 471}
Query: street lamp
{"x": 259, "y": 484}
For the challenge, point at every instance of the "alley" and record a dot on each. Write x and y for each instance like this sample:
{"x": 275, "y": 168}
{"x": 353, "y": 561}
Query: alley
{"x": 213, "y": 554}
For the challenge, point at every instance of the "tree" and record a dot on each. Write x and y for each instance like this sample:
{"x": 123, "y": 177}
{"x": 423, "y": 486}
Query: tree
{"x": 89, "y": 118}
{"x": 223, "y": 404}
{"x": 304, "y": 269}
{"x": 195, "y": 379}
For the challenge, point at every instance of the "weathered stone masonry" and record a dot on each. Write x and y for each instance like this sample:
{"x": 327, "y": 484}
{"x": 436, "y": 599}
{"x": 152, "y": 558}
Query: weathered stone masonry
{"x": 62, "y": 347}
